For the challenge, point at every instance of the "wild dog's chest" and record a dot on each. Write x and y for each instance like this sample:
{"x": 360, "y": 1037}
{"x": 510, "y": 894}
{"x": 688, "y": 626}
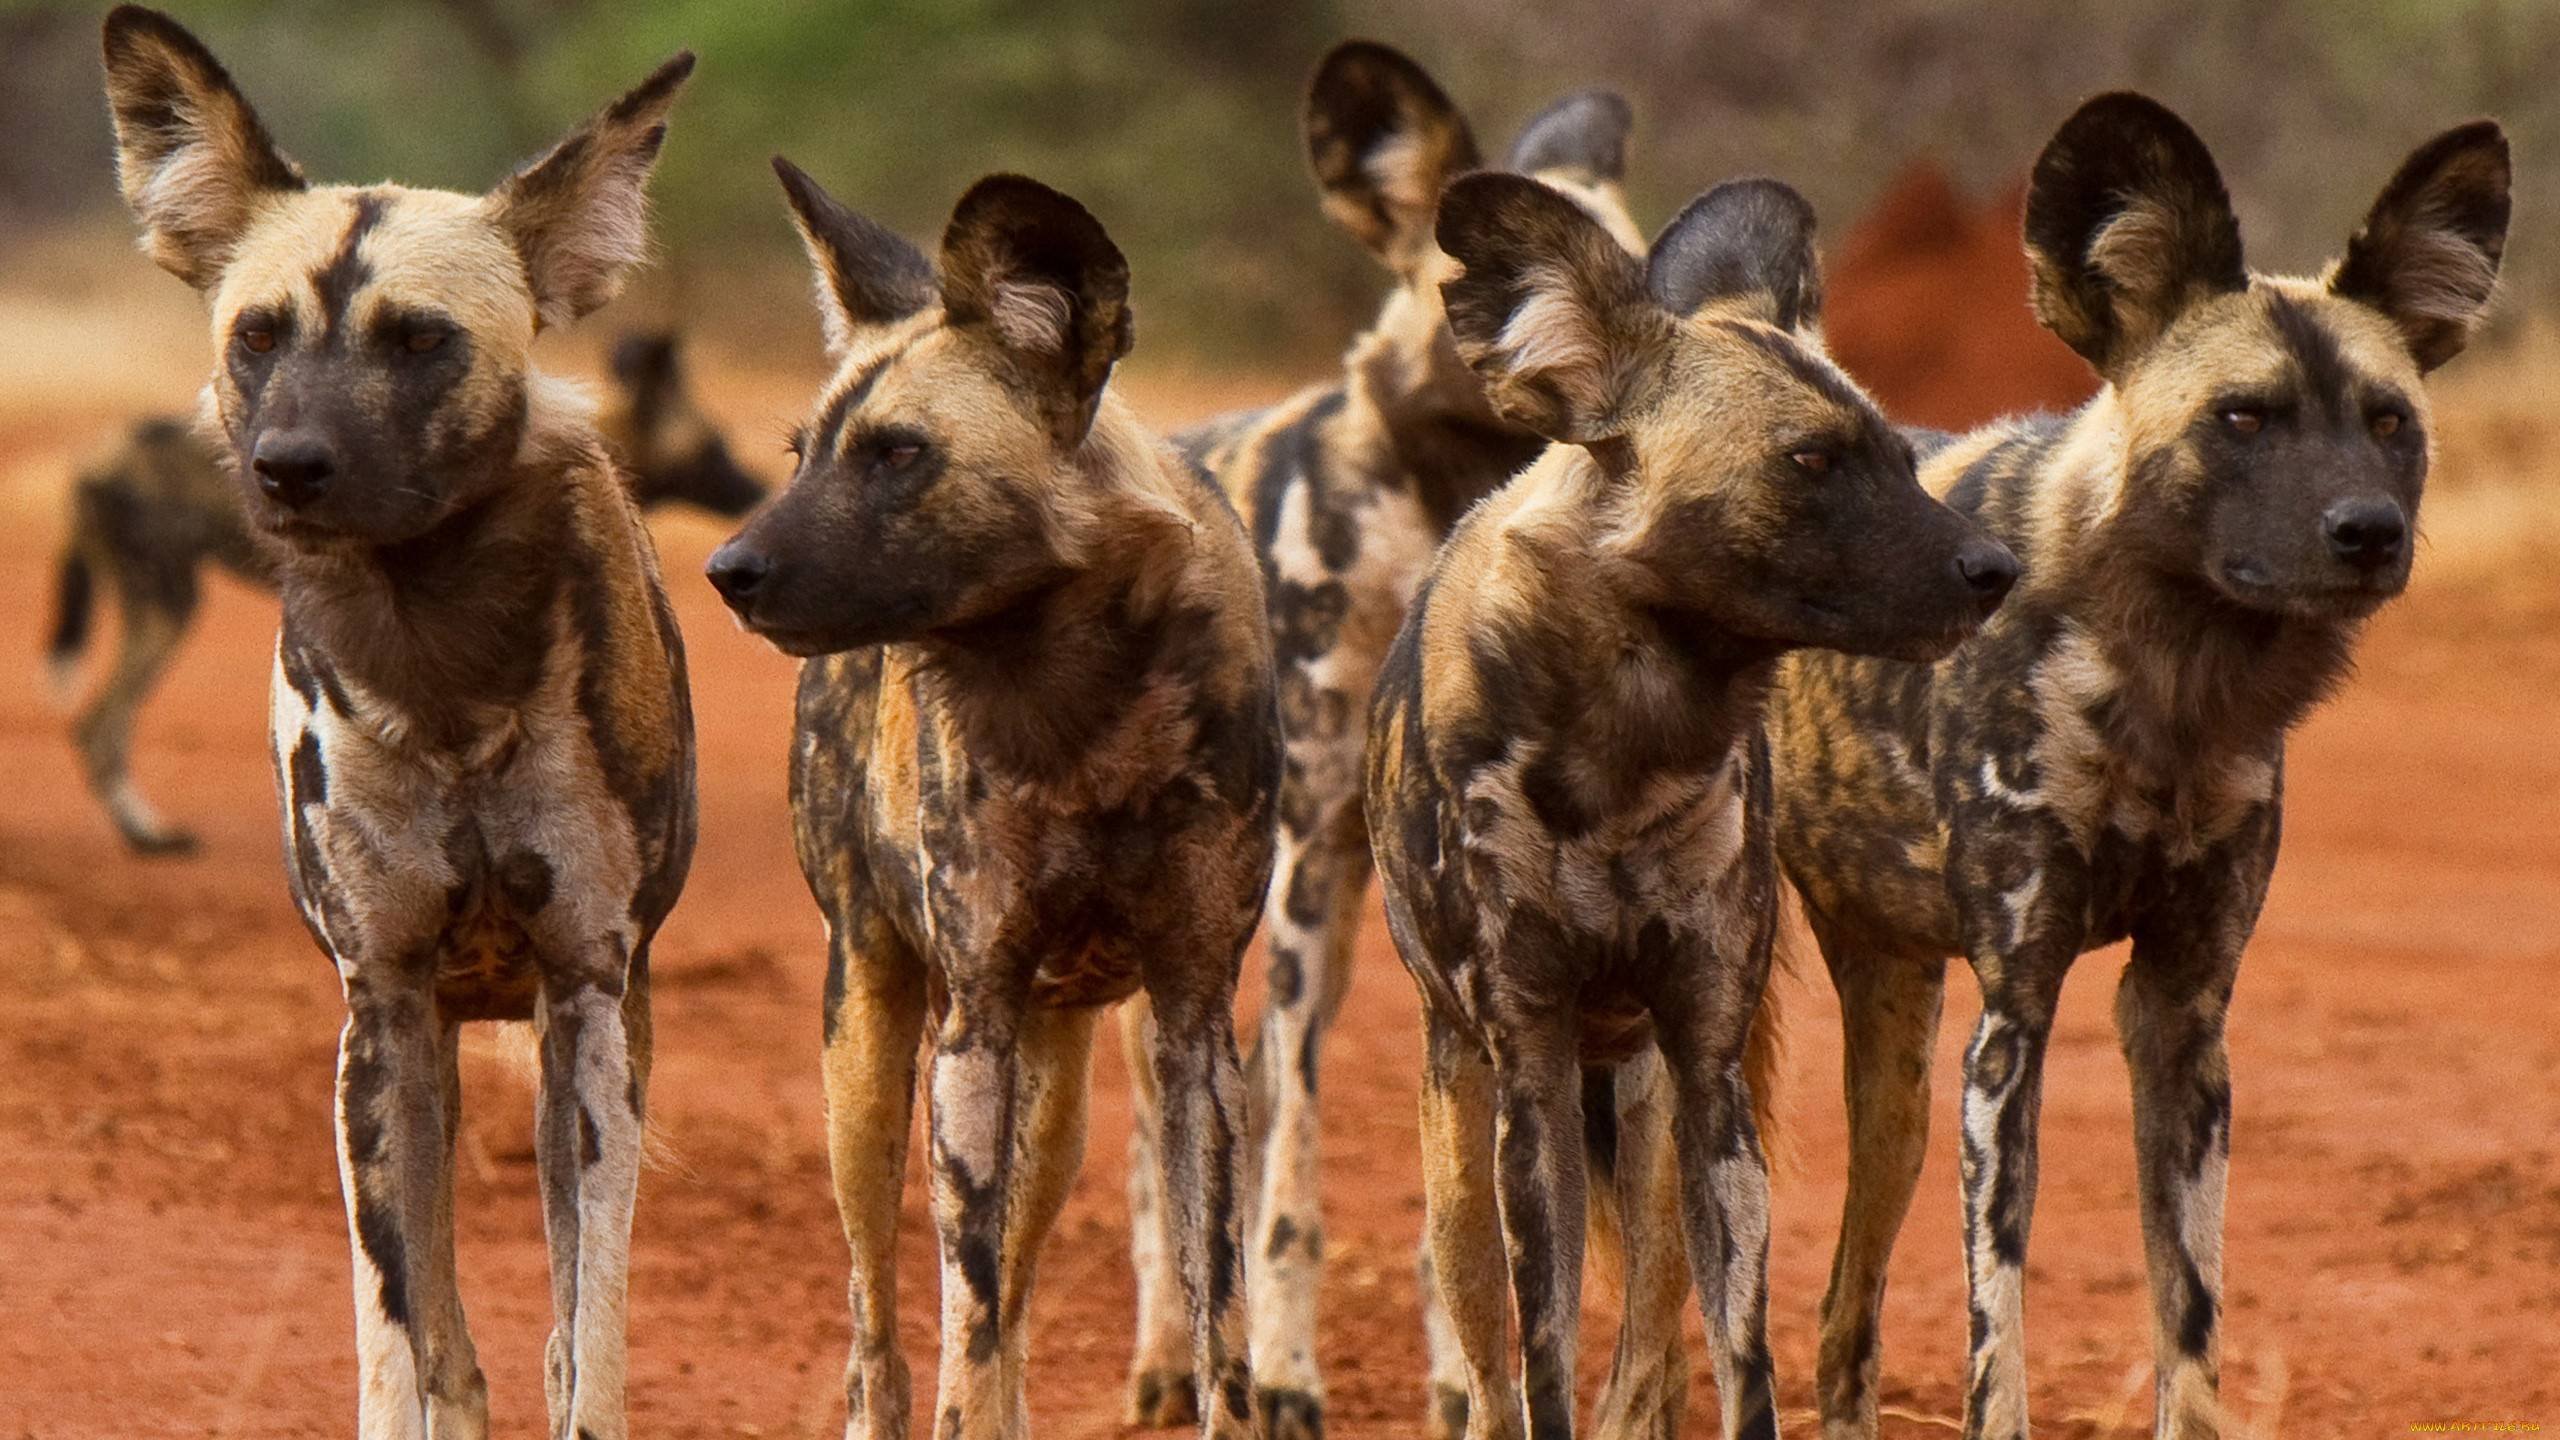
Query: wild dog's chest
{"x": 1074, "y": 896}
{"x": 1664, "y": 853}
{"x": 458, "y": 862}
{"x": 2100, "y": 753}
{"x": 1072, "y": 875}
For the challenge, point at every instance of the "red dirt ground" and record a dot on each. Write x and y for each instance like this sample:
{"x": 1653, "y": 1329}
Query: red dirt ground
{"x": 173, "y": 1256}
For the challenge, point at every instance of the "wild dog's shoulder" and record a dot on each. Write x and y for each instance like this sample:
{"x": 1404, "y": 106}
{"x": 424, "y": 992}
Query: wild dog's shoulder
{"x": 1293, "y": 444}
{"x": 1208, "y": 444}
{"x": 1981, "y": 472}
{"x": 1467, "y": 649}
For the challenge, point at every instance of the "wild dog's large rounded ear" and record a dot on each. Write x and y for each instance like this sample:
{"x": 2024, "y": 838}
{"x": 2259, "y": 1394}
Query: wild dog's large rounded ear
{"x": 1551, "y": 311}
{"x": 867, "y": 273}
{"x": 1384, "y": 139}
{"x": 2128, "y": 224}
{"x": 1749, "y": 241}
{"x": 1038, "y": 271}
{"x": 1583, "y": 135}
{"x": 2427, "y": 254}
{"x": 580, "y": 215}
{"x": 192, "y": 157}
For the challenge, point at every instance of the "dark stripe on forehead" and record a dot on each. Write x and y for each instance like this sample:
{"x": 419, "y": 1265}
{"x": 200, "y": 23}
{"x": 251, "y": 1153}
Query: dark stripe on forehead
{"x": 1812, "y": 369}
{"x": 828, "y": 433}
{"x": 2327, "y": 381}
{"x": 346, "y": 273}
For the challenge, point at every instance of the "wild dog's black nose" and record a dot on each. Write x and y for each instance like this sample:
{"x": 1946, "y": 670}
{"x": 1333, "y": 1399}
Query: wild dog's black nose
{"x": 294, "y": 467}
{"x": 736, "y": 571}
{"x": 1989, "y": 569}
{"x": 2367, "y": 534}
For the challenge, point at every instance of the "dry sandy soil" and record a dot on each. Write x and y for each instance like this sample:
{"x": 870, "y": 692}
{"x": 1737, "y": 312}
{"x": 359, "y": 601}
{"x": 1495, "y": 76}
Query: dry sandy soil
{"x": 173, "y": 1257}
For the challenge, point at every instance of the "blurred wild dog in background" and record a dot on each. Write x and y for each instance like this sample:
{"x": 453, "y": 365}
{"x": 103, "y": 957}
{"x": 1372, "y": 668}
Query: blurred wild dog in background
{"x": 1349, "y": 487}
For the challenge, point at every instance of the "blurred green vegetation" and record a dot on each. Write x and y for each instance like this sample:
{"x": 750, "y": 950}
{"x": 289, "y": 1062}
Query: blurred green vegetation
{"x": 1176, "y": 121}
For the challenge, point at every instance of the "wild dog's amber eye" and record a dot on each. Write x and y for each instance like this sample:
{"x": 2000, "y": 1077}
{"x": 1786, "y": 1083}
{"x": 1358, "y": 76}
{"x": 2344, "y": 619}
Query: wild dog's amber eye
{"x": 1812, "y": 462}
{"x": 421, "y": 342}
{"x": 899, "y": 456}
{"x": 2244, "y": 422}
{"x": 257, "y": 342}
{"x": 2385, "y": 425}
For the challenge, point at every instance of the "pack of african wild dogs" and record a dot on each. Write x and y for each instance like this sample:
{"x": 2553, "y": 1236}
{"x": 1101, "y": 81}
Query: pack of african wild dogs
{"x": 1590, "y": 606}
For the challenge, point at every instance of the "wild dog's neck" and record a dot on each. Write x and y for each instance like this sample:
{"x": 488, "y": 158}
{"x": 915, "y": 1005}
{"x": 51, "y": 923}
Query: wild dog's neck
{"x": 449, "y": 625}
{"x": 2198, "y": 673}
{"x": 1035, "y": 680}
{"x": 1616, "y": 674}
{"x": 1449, "y": 445}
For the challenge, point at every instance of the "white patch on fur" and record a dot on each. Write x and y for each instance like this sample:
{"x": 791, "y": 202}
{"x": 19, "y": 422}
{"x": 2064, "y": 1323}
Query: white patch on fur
{"x": 1552, "y": 336}
{"x": 2441, "y": 278}
{"x": 1032, "y": 316}
{"x": 2020, "y": 904}
{"x": 833, "y": 322}
{"x": 2074, "y": 764}
{"x": 1396, "y": 167}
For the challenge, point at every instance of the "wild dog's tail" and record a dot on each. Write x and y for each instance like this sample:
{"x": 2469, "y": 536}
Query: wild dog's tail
{"x": 1764, "y": 1054}
{"x": 1600, "y": 1157}
{"x": 74, "y": 594}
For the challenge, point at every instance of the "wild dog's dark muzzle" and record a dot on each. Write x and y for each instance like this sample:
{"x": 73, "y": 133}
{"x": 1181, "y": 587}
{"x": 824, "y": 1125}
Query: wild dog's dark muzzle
{"x": 2367, "y": 533}
{"x": 1988, "y": 570}
{"x": 294, "y": 467}
{"x": 738, "y": 570}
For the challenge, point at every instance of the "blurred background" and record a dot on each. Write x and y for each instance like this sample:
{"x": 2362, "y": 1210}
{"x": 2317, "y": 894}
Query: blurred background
{"x": 1175, "y": 120}
{"x": 168, "y": 1198}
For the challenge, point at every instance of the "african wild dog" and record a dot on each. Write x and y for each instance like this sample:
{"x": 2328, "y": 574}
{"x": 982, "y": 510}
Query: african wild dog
{"x": 1349, "y": 487}
{"x": 147, "y": 519}
{"x": 1033, "y": 773}
{"x": 2201, "y": 542}
{"x": 1568, "y": 786}
{"x": 482, "y": 741}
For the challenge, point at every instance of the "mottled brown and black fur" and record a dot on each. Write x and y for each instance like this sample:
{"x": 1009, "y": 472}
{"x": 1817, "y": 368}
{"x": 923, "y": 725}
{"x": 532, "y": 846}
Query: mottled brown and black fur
{"x": 1033, "y": 774}
{"x": 1348, "y": 488}
{"x": 1568, "y": 789}
{"x": 149, "y": 518}
{"x": 483, "y": 746}
{"x": 2201, "y": 543}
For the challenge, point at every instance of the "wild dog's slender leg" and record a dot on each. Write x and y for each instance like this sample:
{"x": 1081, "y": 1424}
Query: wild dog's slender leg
{"x": 457, "y": 1396}
{"x": 391, "y": 1146}
{"x": 1048, "y": 1151}
{"x": 1889, "y": 1017}
{"x": 1464, "y": 1228}
{"x": 976, "y": 1064}
{"x": 2003, "y": 1096}
{"x": 1649, "y": 1374}
{"x": 873, "y": 1025}
{"x": 1724, "y": 1188}
{"x": 1202, "y": 1082}
{"x": 154, "y": 617}
{"x": 2169, "y": 1017}
{"x": 2021, "y": 888}
{"x": 587, "y": 1157}
{"x": 1539, "y": 1174}
{"x": 1447, "y": 1417}
{"x": 1314, "y": 917}
{"x": 1160, "y": 1384}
